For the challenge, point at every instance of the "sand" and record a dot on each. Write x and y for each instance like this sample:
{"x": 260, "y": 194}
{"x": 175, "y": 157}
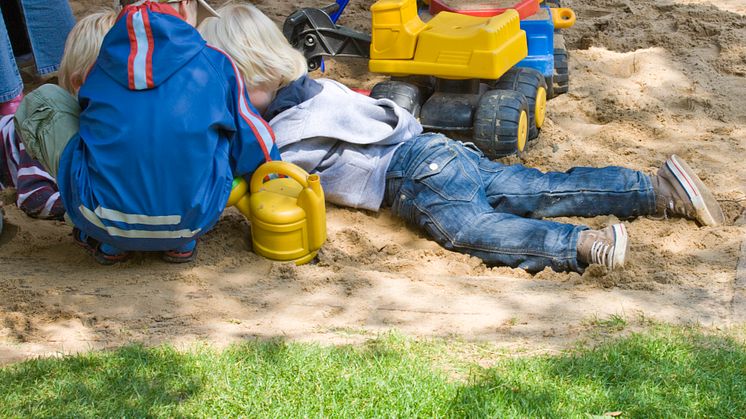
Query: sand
{"x": 648, "y": 78}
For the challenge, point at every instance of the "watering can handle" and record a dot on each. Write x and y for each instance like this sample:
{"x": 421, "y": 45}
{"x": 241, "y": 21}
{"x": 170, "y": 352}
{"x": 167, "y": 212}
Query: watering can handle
{"x": 280, "y": 168}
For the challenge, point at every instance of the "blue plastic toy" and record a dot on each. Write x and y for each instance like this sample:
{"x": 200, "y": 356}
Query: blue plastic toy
{"x": 341, "y": 7}
{"x": 539, "y": 30}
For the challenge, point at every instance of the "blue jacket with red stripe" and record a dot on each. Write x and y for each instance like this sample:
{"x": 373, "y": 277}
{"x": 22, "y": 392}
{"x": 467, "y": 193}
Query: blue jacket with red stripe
{"x": 165, "y": 126}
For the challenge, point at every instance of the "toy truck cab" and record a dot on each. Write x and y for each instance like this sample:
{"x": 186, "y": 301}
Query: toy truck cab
{"x": 450, "y": 45}
{"x": 542, "y": 23}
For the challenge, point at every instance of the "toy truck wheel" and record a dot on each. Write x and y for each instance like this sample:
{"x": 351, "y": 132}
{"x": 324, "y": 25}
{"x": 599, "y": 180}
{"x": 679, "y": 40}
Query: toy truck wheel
{"x": 501, "y": 123}
{"x": 561, "y": 68}
{"x": 532, "y": 85}
{"x": 404, "y": 94}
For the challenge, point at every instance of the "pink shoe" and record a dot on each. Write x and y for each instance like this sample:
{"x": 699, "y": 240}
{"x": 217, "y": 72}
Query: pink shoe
{"x": 10, "y": 107}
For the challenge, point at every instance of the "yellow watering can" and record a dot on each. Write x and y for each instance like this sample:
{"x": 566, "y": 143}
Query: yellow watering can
{"x": 287, "y": 214}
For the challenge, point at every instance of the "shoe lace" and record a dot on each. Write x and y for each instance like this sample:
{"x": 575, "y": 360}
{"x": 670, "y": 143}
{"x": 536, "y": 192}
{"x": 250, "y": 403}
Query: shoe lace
{"x": 601, "y": 253}
{"x": 669, "y": 202}
{"x": 680, "y": 208}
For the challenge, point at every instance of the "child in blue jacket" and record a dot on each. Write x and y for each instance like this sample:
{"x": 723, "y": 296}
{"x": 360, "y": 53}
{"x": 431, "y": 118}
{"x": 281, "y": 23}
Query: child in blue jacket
{"x": 165, "y": 125}
{"x": 371, "y": 153}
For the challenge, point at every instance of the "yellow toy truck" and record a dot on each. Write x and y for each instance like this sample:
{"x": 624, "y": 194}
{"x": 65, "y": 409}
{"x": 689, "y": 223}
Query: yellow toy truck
{"x": 457, "y": 74}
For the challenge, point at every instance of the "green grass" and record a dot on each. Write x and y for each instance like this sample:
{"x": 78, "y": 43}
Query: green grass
{"x": 613, "y": 323}
{"x": 662, "y": 372}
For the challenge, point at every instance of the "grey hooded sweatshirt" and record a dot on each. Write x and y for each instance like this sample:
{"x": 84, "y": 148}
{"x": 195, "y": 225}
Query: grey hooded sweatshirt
{"x": 347, "y": 138}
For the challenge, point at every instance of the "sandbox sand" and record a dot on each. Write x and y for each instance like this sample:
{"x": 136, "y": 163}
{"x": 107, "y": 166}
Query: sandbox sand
{"x": 648, "y": 78}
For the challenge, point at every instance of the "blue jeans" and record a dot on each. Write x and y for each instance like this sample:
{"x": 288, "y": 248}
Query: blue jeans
{"x": 47, "y": 22}
{"x": 472, "y": 205}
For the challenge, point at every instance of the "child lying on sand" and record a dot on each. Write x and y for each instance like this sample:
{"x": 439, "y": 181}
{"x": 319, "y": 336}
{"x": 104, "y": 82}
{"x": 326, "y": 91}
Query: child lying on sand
{"x": 371, "y": 153}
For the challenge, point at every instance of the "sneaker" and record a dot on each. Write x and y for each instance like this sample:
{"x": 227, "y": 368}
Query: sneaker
{"x": 10, "y": 107}
{"x": 184, "y": 254}
{"x": 606, "y": 247}
{"x": 680, "y": 192}
{"x": 103, "y": 253}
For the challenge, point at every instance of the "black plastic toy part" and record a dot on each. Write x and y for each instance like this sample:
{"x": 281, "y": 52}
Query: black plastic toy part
{"x": 451, "y": 107}
{"x": 464, "y": 109}
{"x": 314, "y": 33}
{"x": 561, "y": 69}
{"x": 404, "y": 94}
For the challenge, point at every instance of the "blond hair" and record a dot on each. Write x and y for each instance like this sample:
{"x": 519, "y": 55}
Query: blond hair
{"x": 81, "y": 48}
{"x": 263, "y": 55}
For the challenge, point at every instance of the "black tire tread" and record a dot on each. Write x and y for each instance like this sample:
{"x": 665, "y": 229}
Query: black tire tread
{"x": 496, "y": 122}
{"x": 526, "y": 81}
{"x": 561, "y": 67}
{"x": 561, "y": 72}
{"x": 404, "y": 94}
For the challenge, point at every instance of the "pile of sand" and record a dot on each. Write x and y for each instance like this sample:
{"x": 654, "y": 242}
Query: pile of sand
{"x": 648, "y": 78}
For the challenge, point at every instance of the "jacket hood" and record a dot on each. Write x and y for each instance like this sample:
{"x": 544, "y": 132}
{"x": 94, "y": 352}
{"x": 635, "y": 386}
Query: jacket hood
{"x": 148, "y": 44}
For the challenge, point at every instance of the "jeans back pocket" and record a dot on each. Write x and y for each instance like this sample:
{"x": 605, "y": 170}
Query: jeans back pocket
{"x": 449, "y": 174}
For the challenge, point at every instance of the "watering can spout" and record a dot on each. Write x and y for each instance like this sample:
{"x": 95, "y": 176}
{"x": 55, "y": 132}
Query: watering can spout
{"x": 239, "y": 197}
{"x": 314, "y": 182}
{"x": 312, "y": 201}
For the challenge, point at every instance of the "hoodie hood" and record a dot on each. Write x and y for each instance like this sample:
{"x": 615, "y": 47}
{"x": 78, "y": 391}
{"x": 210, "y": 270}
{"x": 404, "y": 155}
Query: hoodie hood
{"x": 147, "y": 45}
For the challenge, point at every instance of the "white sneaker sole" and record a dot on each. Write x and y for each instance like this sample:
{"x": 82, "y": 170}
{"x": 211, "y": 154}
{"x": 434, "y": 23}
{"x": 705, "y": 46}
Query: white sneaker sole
{"x": 621, "y": 245}
{"x": 707, "y": 207}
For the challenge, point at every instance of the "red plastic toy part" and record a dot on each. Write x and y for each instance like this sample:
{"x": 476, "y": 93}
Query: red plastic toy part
{"x": 525, "y": 8}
